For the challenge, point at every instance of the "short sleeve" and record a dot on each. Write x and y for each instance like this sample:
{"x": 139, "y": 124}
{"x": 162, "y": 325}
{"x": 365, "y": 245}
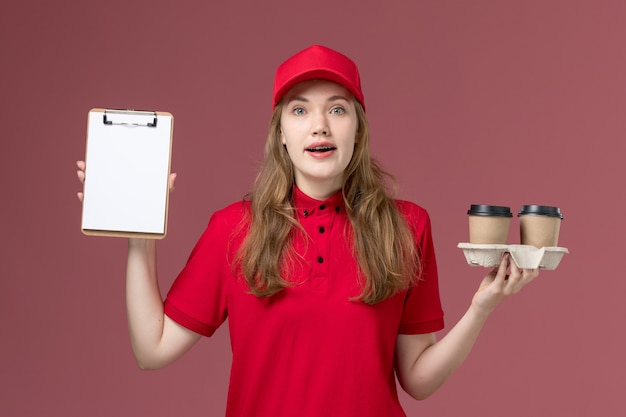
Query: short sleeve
{"x": 198, "y": 298}
{"x": 422, "y": 311}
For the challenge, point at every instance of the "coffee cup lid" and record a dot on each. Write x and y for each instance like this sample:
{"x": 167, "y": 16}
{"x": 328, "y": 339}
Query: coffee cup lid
{"x": 486, "y": 210}
{"x": 535, "y": 210}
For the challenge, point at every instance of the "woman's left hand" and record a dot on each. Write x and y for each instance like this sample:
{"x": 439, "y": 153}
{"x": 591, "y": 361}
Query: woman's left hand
{"x": 505, "y": 280}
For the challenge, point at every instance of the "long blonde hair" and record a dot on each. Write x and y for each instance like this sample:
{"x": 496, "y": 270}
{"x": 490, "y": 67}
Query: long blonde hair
{"x": 384, "y": 246}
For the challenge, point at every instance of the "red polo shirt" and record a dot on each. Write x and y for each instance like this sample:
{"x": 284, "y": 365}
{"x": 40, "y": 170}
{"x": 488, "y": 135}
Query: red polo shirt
{"x": 308, "y": 350}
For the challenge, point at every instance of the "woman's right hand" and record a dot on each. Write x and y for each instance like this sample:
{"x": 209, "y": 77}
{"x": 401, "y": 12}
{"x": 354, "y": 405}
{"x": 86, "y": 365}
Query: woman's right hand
{"x": 81, "y": 177}
{"x": 155, "y": 338}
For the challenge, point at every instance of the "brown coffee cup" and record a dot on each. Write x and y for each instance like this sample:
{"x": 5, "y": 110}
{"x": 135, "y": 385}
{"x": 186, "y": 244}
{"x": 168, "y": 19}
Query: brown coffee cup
{"x": 489, "y": 224}
{"x": 540, "y": 225}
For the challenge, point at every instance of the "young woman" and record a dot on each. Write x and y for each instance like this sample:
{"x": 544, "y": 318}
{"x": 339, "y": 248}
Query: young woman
{"x": 329, "y": 284}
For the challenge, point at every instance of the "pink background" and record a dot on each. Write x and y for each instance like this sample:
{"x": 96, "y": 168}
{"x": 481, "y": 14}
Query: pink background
{"x": 492, "y": 102}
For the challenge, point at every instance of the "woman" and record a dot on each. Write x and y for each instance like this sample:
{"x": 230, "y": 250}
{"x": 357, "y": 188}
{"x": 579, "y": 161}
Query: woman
{"x": 329, "y": 284}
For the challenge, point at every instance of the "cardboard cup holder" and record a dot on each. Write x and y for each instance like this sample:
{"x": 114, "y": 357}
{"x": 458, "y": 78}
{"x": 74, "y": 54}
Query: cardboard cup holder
{"x": 524, "y": 256}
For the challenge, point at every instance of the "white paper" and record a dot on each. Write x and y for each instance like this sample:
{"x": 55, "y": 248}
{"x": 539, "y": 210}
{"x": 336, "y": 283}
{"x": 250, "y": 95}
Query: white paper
{"x": 126, "y": 176}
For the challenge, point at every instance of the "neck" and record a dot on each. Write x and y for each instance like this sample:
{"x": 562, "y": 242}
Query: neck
{"x": 318, "y": 190}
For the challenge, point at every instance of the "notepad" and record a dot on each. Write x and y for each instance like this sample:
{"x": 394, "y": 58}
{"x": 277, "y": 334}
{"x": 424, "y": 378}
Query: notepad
{"x": 127, "y": 172}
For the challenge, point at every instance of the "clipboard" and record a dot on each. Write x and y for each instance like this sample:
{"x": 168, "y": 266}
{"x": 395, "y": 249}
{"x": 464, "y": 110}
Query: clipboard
{"x": 128, "y": 161}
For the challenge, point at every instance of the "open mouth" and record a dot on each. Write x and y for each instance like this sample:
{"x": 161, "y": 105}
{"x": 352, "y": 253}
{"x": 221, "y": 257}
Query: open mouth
{"x": 321, "y": 149}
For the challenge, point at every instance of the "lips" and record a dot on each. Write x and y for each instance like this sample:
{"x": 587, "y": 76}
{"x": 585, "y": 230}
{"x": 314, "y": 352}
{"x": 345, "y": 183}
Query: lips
{"x": 321, "y": 147}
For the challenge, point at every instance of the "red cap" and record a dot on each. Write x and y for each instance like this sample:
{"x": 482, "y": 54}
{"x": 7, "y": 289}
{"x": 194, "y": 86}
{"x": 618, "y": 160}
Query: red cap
{"x": 317, "y": 62}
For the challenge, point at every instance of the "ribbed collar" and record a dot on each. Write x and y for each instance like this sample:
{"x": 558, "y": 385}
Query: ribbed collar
{"x": 306, "y": 205}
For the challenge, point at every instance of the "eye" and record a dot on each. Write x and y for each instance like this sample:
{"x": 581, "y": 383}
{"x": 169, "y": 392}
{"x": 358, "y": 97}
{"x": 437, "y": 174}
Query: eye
{"x": 298, "y": 111}
{"x": 337, "y": 110}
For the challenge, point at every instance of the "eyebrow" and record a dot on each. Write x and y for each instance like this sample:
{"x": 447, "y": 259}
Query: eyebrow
{"x": 331, "y": 98}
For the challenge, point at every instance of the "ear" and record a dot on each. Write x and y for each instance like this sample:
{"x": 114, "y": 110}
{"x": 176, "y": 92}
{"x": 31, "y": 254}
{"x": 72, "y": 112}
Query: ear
{"x": 282, "y": 137}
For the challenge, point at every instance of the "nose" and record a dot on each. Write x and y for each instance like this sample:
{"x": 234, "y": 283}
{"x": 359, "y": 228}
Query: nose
{"x": 320, "y": 126}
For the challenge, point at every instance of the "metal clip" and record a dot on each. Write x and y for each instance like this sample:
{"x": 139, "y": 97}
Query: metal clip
{"x": 130, "y": 118}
